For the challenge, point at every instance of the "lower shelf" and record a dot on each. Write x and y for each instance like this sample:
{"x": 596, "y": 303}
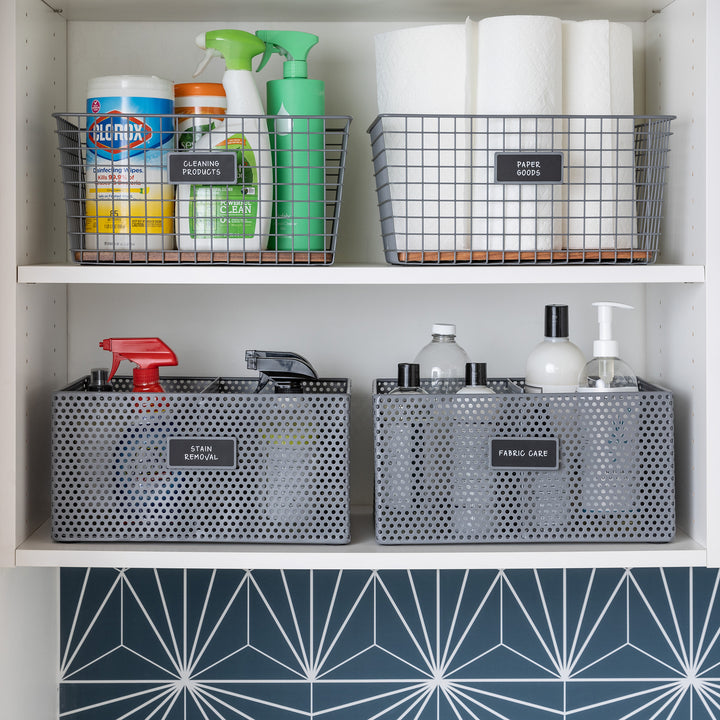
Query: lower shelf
{"x": 362, "y": 553}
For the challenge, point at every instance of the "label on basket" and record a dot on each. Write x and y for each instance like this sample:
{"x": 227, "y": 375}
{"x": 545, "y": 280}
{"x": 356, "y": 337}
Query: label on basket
{"x": 202, "y": 452}
{"x": 524, "y": 453}
{"x": 528, "y": 167}
{"x": 203, "y": 168}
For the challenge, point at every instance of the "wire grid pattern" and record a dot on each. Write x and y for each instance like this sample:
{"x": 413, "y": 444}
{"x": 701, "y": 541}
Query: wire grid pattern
{"x": 121, "y": 207}
{"x": 112, "y": 479}
{"x": 440, "y": 199}
{"x": 434, "y": 482}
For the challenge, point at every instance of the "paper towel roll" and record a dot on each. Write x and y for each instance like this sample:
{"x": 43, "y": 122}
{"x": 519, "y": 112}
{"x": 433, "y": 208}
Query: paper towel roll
{"x": 424, "y": 71}
{"x": 519, "y": 72}
{"x": 598, "y": 80}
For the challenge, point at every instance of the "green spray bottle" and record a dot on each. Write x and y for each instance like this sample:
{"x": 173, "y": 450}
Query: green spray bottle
{"x": 297, "y": 142}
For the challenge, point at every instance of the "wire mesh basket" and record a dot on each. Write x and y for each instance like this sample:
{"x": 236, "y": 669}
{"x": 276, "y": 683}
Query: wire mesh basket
{"x": 513, "y": 467}
{"x": 137, "y": 192}
{"x": 520, "y": 189}
{"x": 205, "y": 461}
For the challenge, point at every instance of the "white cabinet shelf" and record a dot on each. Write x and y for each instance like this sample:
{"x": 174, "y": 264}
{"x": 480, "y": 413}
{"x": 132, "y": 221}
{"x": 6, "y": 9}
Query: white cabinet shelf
{"x": 358, "y": 274}
{"x": 362, "y": 553}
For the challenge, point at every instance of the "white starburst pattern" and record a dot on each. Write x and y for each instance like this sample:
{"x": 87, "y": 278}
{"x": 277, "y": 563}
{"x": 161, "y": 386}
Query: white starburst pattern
{"x": 391, "y": 645}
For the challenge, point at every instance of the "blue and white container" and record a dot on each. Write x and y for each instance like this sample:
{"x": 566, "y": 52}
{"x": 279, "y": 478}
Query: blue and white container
{"x": 129, "y": 201}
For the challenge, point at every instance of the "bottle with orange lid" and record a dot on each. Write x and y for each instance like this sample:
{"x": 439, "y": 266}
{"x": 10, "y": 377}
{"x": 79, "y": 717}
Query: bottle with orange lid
{"x": 204, "y": 104}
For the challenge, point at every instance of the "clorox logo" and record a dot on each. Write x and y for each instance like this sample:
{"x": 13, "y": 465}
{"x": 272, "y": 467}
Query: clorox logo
{"x": 113, "y": 135}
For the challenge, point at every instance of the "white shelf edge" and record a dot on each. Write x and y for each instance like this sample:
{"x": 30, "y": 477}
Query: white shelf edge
{"x": 363, "y": 553}
{"x": 359, "y": 274}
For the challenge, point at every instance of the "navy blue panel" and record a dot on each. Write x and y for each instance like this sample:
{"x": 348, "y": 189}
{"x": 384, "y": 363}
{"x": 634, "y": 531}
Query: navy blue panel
{"x": 421, "y": 645}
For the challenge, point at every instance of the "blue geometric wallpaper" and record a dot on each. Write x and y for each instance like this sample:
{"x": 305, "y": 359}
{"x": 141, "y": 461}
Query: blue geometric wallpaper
{"x": 390, "y": 645}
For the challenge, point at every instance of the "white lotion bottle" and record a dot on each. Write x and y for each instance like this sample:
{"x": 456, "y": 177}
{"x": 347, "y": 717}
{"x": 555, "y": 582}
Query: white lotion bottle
{"x": 475, "y": 380}
{"x": 554, "y": 365}
{"x": 231, "y": 218}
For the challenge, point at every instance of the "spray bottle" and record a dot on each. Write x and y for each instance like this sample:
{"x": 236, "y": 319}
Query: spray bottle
{"x": 148, "y": 494}
{"x": 289, "y": 493}
{"x": 148, "y": 354}
{"x": 231, "y": 218}
{"x": 606, "y": 372}
{"x": 298, "y": 143}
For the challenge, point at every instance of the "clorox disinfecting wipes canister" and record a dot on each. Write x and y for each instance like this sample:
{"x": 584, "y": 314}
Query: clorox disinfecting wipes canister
{"x": 129, "y": 202}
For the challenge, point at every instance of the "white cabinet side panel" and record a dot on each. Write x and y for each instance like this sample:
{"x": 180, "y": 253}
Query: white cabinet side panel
{"x": 40, "y": 311}
{"x": 676, "y": 315}
{"x": 713, "y": 284}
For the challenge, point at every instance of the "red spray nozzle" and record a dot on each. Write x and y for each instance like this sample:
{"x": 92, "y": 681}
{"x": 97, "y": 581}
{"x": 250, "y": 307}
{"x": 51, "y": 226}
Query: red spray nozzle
{"x": 147, "y": 353}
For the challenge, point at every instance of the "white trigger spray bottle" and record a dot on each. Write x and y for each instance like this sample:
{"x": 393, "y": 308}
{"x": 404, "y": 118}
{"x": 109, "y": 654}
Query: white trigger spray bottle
{"x": 606, "y": 372}
{"x": 231, "y": 218}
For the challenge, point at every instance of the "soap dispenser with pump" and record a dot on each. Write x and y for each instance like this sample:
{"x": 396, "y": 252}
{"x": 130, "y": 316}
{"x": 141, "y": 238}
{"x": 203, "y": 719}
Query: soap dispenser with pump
{"x": 606, "y": 372}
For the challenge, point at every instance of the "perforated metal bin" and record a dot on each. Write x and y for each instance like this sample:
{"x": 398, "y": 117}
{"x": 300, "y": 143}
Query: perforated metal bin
{"x": 515, "y": 467}
{"x": 206, "y": 461}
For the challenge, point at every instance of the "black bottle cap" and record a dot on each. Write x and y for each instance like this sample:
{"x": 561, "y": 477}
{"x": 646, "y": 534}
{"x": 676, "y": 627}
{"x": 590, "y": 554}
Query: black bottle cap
{"x": 556, "y": 321}
{"x": 475, "y": 374}
{"x": 408, "y": 375}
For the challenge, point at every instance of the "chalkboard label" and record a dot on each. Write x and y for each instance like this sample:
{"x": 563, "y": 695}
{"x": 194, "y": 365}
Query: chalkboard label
{"x": 524, "y": 453}
{"x": 202, "y": 452}
{"x": 528, "y": 167}
{"x": 202, "y": 168}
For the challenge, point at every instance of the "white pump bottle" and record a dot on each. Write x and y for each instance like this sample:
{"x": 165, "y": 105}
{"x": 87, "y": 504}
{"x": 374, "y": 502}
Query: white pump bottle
{"x": 606, "y": 372}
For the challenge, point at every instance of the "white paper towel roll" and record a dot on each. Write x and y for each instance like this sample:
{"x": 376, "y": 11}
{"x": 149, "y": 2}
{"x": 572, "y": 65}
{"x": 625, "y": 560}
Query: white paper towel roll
{"x": 424, "y": 71}
{"x": 598, "y": 80}
{"x": 519, "y": 72}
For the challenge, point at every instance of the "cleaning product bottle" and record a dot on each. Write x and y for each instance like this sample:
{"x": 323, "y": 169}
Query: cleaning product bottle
{"x": 554, "y": 364}
{"x": 148, "y": 354}
{"x": 287, "y": 494}
{"x": 606, "y": 372}
{"x": 442, "y": 359}
{"x": 231, "y": 218}
{"x": 298, "y": 143}
{"x": 148, "y": 495}
{"x": 475, "y": 380}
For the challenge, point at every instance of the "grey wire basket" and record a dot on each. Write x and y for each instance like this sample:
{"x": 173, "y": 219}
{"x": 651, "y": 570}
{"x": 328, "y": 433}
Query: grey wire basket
{"x": 514, "y": 467}
{"x": 470, "y": 189}
{"x": 208, "y": 460}
{"x": 122, "y": 204}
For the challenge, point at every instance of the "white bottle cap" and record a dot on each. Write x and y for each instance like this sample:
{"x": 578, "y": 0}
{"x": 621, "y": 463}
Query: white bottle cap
{"x": 443, "y": 329}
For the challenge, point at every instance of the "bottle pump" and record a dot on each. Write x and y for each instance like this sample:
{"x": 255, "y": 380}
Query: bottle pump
{"x": 148, "y": 354}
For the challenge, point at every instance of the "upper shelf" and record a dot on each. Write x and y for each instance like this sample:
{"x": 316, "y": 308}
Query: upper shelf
{"x": 359, "y": 274}
{"x": 347, "y": 10}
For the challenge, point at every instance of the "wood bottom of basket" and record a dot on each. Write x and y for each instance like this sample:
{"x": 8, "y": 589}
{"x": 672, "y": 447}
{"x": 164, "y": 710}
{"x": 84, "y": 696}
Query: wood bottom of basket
{"x": 174, "y": 257}
{"x": 530, "y": 256}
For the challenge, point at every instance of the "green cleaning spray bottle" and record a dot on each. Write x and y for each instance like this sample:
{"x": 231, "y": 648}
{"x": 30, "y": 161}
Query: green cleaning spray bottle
{"x": 298, "y": 143}
{"x": 231, "y": 218}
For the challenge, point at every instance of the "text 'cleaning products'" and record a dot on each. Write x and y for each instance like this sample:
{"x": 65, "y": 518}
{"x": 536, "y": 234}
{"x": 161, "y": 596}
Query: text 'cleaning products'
{"x": 298, "y": 143}
{"x": 129, "y": 203}
{"x": 227, "y": 218}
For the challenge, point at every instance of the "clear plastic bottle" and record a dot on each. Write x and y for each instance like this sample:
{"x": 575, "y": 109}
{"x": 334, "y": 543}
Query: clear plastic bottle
{"x": 408, "y": 380}
{"x": 442, "y": 359}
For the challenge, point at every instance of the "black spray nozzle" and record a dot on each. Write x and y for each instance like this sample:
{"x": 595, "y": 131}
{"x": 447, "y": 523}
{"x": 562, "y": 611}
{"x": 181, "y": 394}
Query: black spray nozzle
{"x": 286, "y": 370}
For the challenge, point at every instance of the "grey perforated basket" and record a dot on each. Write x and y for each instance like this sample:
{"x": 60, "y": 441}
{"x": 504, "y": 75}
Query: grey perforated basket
{"x": 206, "y": 461}
{"x": 480, "y": 468}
